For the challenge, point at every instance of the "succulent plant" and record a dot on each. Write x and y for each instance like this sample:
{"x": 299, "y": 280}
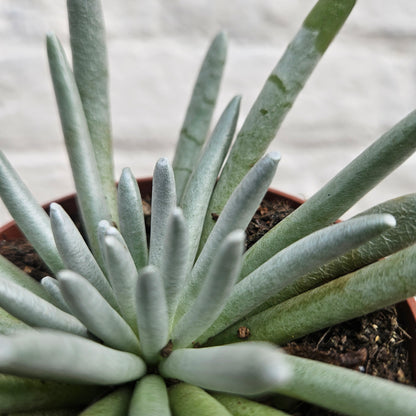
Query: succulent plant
{"x": 126, "y": 326}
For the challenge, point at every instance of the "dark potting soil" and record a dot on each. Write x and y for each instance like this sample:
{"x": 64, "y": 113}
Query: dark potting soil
{"x": 375, "y": 344}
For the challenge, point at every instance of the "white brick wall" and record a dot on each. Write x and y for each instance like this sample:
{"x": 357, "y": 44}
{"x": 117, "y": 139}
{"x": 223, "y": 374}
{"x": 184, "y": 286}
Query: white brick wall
{"x": 365, "y": 83}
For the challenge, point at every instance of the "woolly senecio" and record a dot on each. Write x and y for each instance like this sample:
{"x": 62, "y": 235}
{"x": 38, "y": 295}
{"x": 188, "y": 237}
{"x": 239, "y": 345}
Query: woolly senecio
{"x": 130, "y": 325}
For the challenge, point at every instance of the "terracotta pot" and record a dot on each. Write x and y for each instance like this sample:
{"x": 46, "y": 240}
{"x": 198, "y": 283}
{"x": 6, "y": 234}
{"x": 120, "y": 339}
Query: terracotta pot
{"x": 406, "y": 309}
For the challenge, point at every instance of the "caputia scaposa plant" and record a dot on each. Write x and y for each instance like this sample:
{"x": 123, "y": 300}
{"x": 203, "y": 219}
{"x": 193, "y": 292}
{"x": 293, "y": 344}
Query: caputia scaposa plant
{"x": 118, "y": 322}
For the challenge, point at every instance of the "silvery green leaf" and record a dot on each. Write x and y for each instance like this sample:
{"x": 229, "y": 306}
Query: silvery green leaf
{"x": 115, "y": 403}
{"x": 236, "y": 215}
{"x": 81, "y": 361}
{"x": 131, "y": 218}
{"x": 199, "y": 113}
{"x": 152, "y": 313}
{"x": 188, "y": 400}
{"x": 240, "y": 406}
{"x": 18, "y": 394}
{"x": 215, "y": 290}
{"x": 347, "y": 391}
{"x": 11, "y": 272}
{"x": 90, "y": 195}
{"x": 278, "y": 95}
{"x": 52, "y": 287}
{"x": 198, "y": 190}
{"x": 163, "y": 201}
{"x": 250, "y": 368}
{"x": 88, "y": 305}
{"x": 76, "y": 254}
{"x": 9, "y": 324}
{"x": 340, "y": 193}
{"x": 174, "y": 266}
{"x": 30, "y": 217}
{"x": 150, "y": 397}
{"x": 89, "y": 60}
{"x": 374, "y": 287}
{"x": 35, "y": 311}
{"x": 264, "y": 284}
{"x": 122, "y": 274}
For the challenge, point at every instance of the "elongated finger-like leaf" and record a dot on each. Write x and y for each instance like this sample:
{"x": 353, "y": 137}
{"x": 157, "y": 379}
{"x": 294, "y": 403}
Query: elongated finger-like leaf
{"x": 376, "y": 286}
{"x": 9, "y": 324}
{"x": 152, "y": 313}
{"x": 340, "y": 193}
{"x": 198, "y": 191}
{"x": 35, "y": 311}
{"x": 174, "y": 267}
{"x": 34, "y": 354}
{"x": 122, "y": 274}
{"x": 236, "y": 215}
{"x": 198, "y": 116}
{"x": 150, "y": 397}
{"x": 30, "y": 217}
{"x": 76, "y": 254}
{"x": 18, "y": 394}
{"x": 11, "y": 272}
{"x": 214, "y": 292}
{"x": 347, "y": 391}
{"x": 163, "y": 201}
{"x": 240, "y": 406}
{"x": 90, "y": 194}
{"x": 52, "y": 287}
{"x": 401, "y": 236}
{"x": 286, "y": 267}
{"x": 113, "y": 404}
{"x": 188, "y": 400}
{"x": 277, "y": 96}
{"x": 249, "y": 368}
{"x": 89, "y": 60}
{"x": 131, "y": 218}
{"x": 95, "y": 312}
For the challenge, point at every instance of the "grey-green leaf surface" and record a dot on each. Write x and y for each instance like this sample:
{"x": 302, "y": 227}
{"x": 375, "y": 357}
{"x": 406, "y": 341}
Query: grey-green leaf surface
{"x": 131, "y": 218}
{"x": 89, "y": 61}
{"x": 198, "y": 191}
{"x": 163, "y": 201}
{"x": 249, "y": 369}
{"x": 122, "y": 274}
{"x": 152, "y": 313}
{"x": 76, "y": 253}
{"x": 236, "y": 215}
{"x": 401, "y": 236}
{"x": 240, "y": 406}
{"x": 9, "y": 324}
{"x": 81, "y": 361}
{"x": 199, "y": 113}
{"x": 113, "y": 404}
{"x": 174, "y": 267}
{"x": 188, "y": 400}
{"x": 278, "y": 95}
{"x": 287, "y": 266}
{"x": 376, "y": 286}
{"x": 150, "y": 397}
{"x": 30, "y": 217}
{"x": 52, "y": 287}
{"x": 18, "y": 394}
{"x": 340, "y": 193}
{"x": 88, "y": 305}
{"x": 215, "y": 290}
{"x": 11, "y": 272}
{"x": 347, "y": 391}
{"x": 90, "y": 194}
{"x": 35, "y": 311}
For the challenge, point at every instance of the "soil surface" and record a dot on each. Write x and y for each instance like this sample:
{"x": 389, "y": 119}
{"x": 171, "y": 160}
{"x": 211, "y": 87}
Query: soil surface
{"x": 375, "y": 344}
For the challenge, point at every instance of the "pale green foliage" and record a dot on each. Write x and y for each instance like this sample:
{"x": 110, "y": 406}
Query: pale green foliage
{"x": 119, "y": 309}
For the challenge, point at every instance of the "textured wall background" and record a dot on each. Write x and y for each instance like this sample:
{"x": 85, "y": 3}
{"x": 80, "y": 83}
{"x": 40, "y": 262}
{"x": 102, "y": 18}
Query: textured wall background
{"x": 364, "y": 84}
